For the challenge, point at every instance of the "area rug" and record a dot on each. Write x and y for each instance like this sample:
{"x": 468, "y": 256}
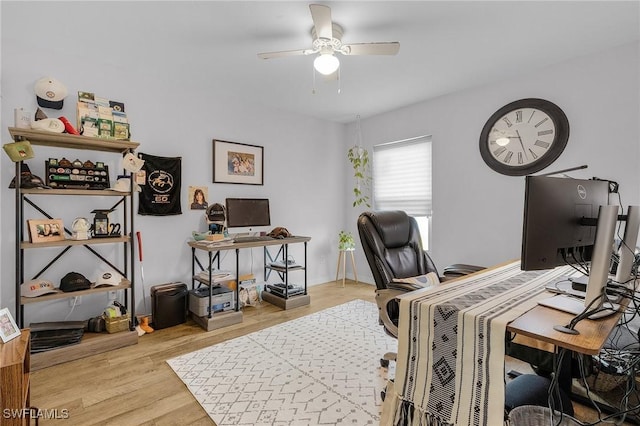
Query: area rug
{"x": 320, "y": 369}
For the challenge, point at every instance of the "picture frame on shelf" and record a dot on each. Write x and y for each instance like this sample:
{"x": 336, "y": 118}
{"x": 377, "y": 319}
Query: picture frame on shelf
{"x": 238, "y": 163}
{"x": 45, "y": 230}
{"x": 8, "y": 327}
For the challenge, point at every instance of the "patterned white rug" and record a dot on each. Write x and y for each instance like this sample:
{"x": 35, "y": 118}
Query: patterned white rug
{"x": 320, "y": 369}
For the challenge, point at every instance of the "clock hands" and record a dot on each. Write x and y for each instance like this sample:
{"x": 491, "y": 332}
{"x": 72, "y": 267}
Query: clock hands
{"x": 522, "y": 145}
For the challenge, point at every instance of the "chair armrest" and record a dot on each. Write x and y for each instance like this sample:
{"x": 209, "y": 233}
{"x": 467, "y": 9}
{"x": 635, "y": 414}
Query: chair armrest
{"x": 459, "y": 269}
{"x": 383, "y": 298}
{"x": 404, "y": 287}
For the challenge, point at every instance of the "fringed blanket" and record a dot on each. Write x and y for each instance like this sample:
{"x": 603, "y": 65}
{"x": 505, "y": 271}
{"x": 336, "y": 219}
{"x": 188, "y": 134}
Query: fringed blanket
{"x": 451, "y": 344}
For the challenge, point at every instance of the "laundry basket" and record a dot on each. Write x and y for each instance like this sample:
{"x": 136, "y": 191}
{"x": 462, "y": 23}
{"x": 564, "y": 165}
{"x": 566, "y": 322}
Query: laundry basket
{"x": 533, "y": 415}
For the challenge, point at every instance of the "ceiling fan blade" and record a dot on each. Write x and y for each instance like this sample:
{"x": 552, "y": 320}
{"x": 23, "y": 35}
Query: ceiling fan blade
{"x": 321, "y": 16}
{"x": 284, "y": 53}
{"x": 382, "y": 48}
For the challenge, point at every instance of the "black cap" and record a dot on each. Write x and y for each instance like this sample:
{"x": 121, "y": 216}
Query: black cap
{"x": 28, "y": 179}
{"x": 74, "y": 281}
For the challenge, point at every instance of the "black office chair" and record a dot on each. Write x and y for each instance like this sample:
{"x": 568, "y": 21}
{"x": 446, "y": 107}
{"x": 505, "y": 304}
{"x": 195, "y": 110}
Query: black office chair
{"x": 392, "y": 245}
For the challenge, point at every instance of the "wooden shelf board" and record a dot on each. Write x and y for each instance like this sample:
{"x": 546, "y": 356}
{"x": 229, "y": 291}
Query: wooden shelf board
{"x": 65, "y": 140}
{"x": 125, "y": 284}
{"x": 91, "y": 344}
{"x": 69, "y": 242}
{"x": 92, "y": 192}
{"x": 282, "y": 269}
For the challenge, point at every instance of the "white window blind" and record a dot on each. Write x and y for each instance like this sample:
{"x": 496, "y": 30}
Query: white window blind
{"x": 402, "y": 176}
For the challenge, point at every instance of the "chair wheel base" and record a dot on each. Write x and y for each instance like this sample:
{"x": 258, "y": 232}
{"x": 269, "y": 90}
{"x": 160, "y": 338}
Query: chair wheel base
{"x": 384, "y": 362}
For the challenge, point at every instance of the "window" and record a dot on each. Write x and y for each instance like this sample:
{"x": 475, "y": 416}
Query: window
{"x": 402, "y": 180}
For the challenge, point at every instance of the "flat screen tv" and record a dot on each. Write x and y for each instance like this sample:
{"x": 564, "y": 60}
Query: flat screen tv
{"x": 247, "y": 212}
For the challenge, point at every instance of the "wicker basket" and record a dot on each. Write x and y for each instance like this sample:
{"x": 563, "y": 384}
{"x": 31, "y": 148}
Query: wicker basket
{"x": 117, "y": 324}
{"x": 605, "y": 382}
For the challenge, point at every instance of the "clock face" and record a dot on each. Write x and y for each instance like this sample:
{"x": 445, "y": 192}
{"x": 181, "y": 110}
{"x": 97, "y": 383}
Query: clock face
{"x": 524, "y": 137}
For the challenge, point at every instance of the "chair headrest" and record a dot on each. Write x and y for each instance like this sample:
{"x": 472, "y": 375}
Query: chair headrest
{"x": 394, "y": 227}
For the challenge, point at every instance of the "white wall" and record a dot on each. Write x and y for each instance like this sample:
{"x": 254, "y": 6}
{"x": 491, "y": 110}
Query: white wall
{"x": 171, "y": 119}
{"x": 477, "y": 214}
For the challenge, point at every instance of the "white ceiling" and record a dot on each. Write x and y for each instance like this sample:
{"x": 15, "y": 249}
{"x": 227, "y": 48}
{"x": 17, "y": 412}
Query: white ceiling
{"x": 446, "y": 46}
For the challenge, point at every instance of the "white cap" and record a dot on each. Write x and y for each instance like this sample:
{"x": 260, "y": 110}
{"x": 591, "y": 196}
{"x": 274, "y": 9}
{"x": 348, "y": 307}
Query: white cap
{"x": 49, "y": 124}
{"x": 50, "y": 93}
{"x": 108, "y": 278}
{"x": 37, "y": 288}
{"x": 123, "y": 184}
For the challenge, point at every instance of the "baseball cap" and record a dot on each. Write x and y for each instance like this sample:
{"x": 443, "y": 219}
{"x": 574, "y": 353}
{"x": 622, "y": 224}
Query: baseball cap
{"x": 123, "y": 184}
{"x": 35, "y": 288}
{"x": 74, "y": 281}
{"x": 27, "y": 179}
{"x": 108, "y": 278}
{"x": 50, "y": 93}
{"x": 216, "y": 213}
{"x": 49, "y": 124}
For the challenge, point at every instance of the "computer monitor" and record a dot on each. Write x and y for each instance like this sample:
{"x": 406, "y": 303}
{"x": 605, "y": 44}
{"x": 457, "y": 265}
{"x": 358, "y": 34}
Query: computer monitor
{"x": 247, "y": 212}
{"x": 560, "y": 215}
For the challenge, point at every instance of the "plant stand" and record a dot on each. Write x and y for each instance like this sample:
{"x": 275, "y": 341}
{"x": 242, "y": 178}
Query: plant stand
{"x": 342, "y": 259}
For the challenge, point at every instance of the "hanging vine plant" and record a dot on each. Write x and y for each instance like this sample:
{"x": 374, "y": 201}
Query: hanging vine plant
{"x": 359, "y": 158}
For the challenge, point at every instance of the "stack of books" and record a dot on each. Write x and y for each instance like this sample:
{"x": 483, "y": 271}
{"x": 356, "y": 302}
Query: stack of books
{"x": 100, "y": 117}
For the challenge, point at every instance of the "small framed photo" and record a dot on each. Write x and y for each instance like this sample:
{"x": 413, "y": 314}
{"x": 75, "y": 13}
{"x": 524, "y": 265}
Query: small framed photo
{"x": 45, "y": 230}
{"x": 8, "y": 328}
{"x": 238, "y": 163}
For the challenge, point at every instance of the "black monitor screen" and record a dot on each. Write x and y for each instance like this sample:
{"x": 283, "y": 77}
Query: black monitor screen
{"x": 554, "y": 231}
{"x": 245, "y": 212}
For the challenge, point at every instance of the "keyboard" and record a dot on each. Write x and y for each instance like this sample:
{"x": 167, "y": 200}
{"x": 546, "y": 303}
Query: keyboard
{"x": 576, "y": 306}
{"x": 252, "y": 239}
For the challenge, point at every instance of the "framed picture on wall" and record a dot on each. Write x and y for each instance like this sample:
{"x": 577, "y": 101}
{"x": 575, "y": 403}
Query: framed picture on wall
{"x": 8, "y": 328}
{"x": 45, "y": 230}
{"x": 237, "y": 163}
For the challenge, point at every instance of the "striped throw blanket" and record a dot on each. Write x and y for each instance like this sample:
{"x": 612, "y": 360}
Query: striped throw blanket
{"x": 451, "y": 343}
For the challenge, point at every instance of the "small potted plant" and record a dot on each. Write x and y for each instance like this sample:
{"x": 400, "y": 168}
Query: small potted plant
{"x": 345, "y": 241}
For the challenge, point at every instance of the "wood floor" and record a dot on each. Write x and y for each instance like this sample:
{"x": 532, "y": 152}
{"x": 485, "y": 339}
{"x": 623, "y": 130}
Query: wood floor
{"x": 135, "y": 386}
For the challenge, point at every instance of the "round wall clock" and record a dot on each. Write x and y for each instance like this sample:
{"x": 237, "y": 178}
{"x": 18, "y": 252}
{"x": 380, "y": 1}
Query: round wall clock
{"x": 524, "y": 137}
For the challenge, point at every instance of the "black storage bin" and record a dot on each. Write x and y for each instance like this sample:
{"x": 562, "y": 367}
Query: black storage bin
{"x": 169, "y": 304}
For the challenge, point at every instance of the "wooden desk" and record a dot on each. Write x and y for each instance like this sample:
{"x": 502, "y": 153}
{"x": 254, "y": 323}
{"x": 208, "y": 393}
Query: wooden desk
{"x": 538, "y": 324}
{"x": 451, "y": 342}
{"x": 213, "y": 250}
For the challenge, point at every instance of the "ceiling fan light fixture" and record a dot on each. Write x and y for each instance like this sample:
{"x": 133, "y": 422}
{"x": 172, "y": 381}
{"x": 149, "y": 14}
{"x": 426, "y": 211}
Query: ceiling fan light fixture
{"x": 326, "y": 63}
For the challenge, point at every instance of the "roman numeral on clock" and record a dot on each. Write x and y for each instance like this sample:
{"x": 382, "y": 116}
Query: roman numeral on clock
{"x": 541, "y": 122}
{"x": 507, "y": 158}
{"x": 518, "y": 116}
{"x": 542, "y": 144}
{"x": 533, "y": 154}
{"x": 520, "y": 160}
{"x": 507, "y": 122}
{"x": 498, "y": 152}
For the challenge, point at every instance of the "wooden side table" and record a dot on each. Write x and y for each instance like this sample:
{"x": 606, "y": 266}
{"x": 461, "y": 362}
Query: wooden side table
{"x": 15, "y": 368}
{"x": 342, "y": 259}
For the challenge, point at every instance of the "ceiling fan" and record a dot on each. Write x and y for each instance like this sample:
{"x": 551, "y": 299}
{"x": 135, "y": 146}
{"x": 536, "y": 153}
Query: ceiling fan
{"x": 327, "y": 41}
